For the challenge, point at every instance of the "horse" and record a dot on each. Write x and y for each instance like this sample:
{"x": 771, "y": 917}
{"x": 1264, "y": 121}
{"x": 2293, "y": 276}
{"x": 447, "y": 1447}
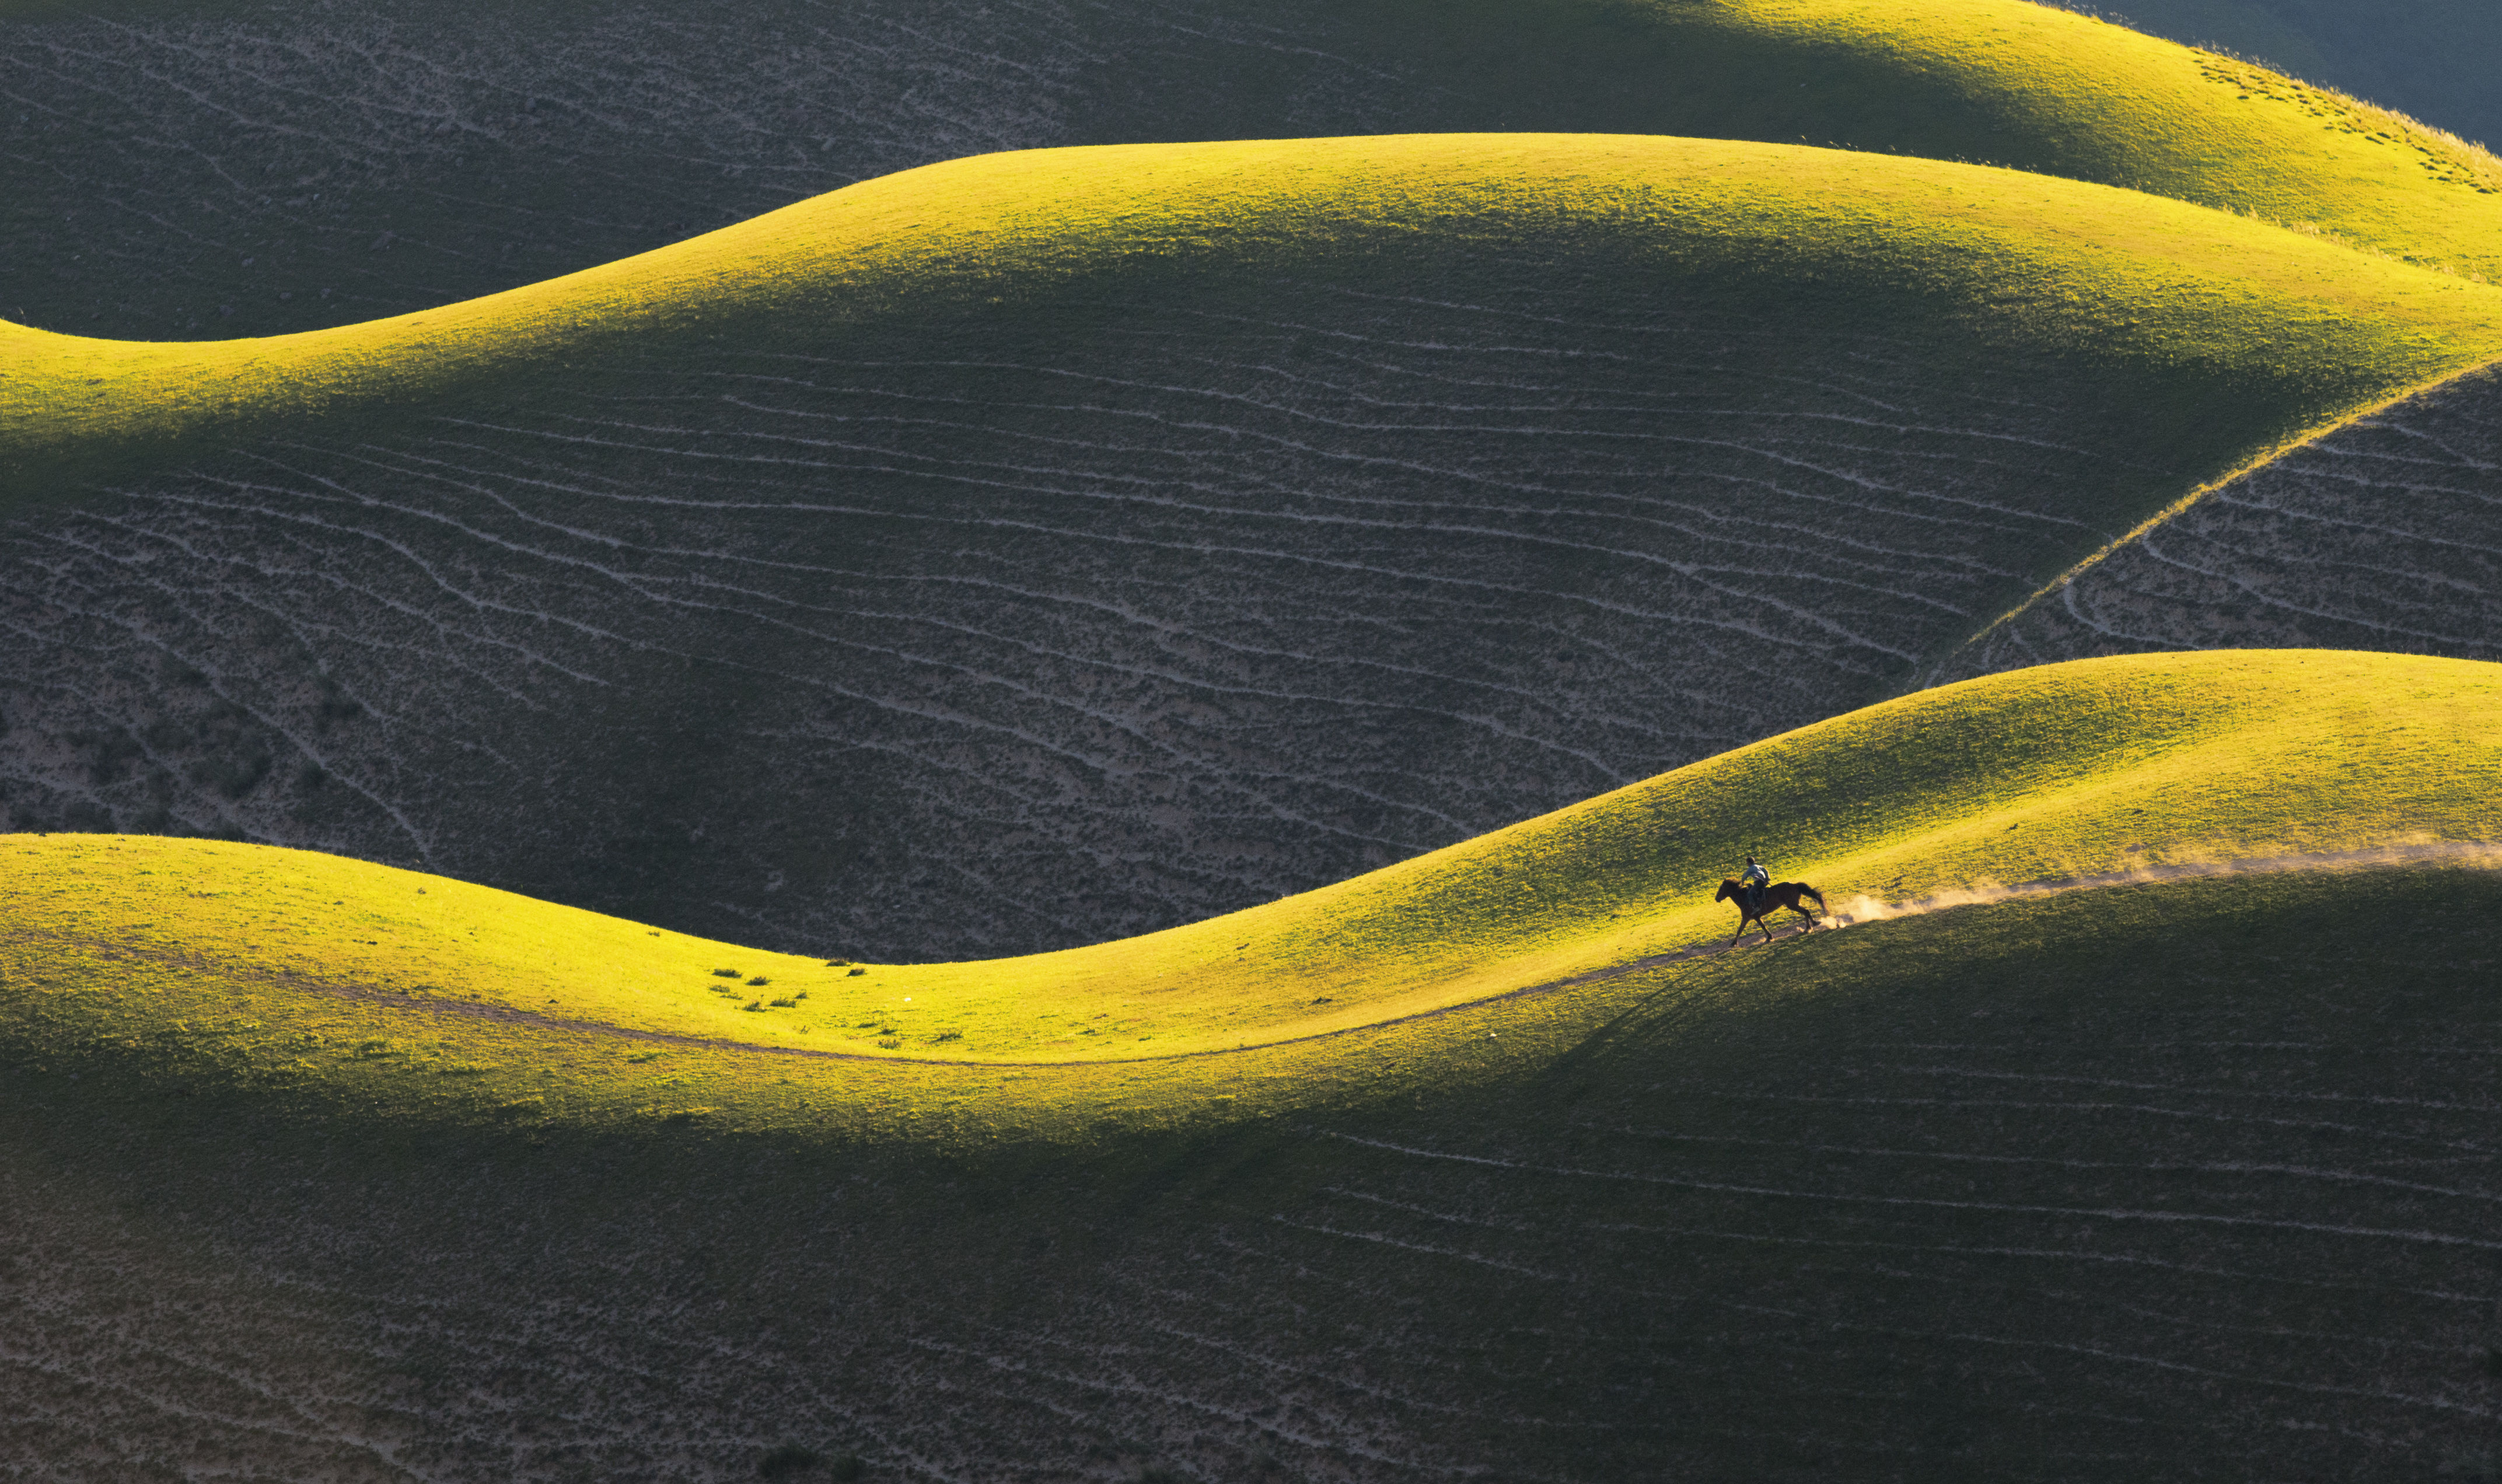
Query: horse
{"x": 1780, "y": 893}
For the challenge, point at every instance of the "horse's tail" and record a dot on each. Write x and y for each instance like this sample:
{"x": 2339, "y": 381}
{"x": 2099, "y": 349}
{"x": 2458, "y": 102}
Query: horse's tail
{"x": 1813, "y": 892}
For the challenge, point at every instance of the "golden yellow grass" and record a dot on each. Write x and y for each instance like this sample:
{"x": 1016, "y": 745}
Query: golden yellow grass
{"x": 398, "y": 991}
{"x": 2054, "y": 264}
{"x": 2102, "y": 102}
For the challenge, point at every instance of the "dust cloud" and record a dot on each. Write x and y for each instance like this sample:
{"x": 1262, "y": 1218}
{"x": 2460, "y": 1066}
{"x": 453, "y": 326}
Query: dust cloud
{"x": 1850, "y": 911}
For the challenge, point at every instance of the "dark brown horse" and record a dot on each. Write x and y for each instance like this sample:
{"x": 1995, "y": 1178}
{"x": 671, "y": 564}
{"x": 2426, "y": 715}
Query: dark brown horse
{"x": 1780, "y": 893}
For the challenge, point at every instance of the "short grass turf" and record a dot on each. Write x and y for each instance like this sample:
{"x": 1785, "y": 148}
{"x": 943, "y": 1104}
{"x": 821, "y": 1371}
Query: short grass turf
{"x": 1987, "y": 81}
{"x": 353, "y": 987}
{"x": 2068, "y": 94}
{"x": 1997, "y": 82}
{"x": 2234, "y": 334}
{"x": 1955, "y": 1197}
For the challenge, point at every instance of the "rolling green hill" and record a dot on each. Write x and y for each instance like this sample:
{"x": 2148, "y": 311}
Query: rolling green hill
{"x": 2262, "y": 331}
{"x": 1962, "y": 1194}
{"x": 1065, "y": 580}
{"x": 457, "y": 1002}
{"x": 182, "y": 173}
{"x": 956, "y": 743}
{"x": 1051, "y": 547}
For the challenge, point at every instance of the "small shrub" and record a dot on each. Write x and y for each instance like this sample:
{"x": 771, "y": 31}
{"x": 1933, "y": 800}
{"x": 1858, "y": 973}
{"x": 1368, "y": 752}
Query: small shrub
{"x": 891, "y": 1044}
{"x": 948, "y": 1035}
{"x": 784, "y": 1004}
{"x": 759, "y": 979}
{"x": 725, "y": 973}
{"x": 838, "y": 964}
{"x": 787, "y": 1459}
{"x": 755, "y": 1005}
{"x": 231, "y": 776}
{"x": 855, "y": 974}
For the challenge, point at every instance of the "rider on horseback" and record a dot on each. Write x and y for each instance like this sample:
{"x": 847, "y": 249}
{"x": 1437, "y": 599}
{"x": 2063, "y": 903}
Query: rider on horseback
{"x": 1754, "y": 878}
{"x": 1754, "y": 892}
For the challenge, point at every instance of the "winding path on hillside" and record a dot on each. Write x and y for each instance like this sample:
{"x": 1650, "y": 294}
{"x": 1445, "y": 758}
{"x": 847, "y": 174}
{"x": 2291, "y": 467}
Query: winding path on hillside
{"x": 1848, "y": 909}
{"x": 2233, "y": 1201}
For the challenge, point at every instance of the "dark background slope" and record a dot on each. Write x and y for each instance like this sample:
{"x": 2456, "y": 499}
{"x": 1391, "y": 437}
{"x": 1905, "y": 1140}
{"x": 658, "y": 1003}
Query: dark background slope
{"x": 2435, "y": 59}
{"x": 2384, "y": 534}
{"x": 862, "y": 652}
{"x": 179, "y": 171}
{"x": 2180, "y": 1181}
{"x": 1004, "y": 629}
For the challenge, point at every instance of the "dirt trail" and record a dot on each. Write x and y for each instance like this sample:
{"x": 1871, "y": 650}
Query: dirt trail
{"x": 2486, "y": 855}
{"x": 1846, "y": 912}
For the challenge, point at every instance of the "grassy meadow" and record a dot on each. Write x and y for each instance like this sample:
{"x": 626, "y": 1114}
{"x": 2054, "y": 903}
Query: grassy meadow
{"x": 2267, "y": 332}
{"x": 145, "y": 242}
{"x": 373, "y": 992}
{"x": 1947, "y": 1196}
{"x": 1496, "y": 1162}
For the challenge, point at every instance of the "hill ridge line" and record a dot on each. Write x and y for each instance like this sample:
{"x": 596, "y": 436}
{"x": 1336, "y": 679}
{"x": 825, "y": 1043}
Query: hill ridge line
{"x": 1930, "y": 674}
{"x": 1856, "y": 911}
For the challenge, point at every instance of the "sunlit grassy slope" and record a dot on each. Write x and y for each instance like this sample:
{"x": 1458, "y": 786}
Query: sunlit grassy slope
{"x": 2434, "y": 58}
{"x": 398, "y": 993}
{"x": 2251, "y": 330}
{"x": 1992, "y": 81}
{"x": 2051, "y": 91}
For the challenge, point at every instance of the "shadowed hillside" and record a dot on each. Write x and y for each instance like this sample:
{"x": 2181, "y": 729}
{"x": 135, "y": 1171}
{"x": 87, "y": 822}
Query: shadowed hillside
{"x": 1251, "y": 537}
{"x": 181, "y": 171}
{"x": 2117, "y": 1184}
{"x": 1127, "y": 599}
{"x": 358, "y": 1175}
{"x": 1011, "y": 735}
{"x": 2384, "y": 534}
{"x": 2093, "y": 772}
